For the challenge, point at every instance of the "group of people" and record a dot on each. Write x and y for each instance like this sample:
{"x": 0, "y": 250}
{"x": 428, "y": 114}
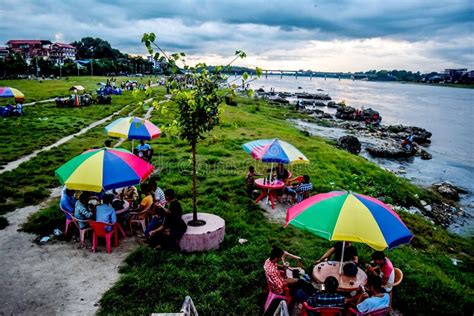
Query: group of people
{"x": 297, "y": 191}
{"x": 164, "y": 211}
{"x": 373, "y": 296}
{"x": 11, "y": 110}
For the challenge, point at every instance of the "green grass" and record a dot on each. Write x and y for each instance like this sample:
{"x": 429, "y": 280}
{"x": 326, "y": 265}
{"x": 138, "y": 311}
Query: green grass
{"x": 44, "y": 124}
{"x": 230, "y": 281}
{"x": 35, "y": 90}
{"x": 29, "y": 183}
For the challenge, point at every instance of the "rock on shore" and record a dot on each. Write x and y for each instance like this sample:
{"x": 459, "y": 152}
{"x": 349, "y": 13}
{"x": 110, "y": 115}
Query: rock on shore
{"x": 350, "y": 144}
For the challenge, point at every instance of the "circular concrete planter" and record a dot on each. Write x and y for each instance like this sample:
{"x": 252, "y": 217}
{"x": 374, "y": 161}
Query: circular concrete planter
{"x": 203, "y": 238}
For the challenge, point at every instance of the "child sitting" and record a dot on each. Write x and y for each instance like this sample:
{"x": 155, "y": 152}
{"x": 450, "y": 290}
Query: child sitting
{"x": 250, "y": 180}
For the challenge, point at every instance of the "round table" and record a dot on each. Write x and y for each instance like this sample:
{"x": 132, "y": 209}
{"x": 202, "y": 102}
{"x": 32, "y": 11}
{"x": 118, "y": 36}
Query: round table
{"x": 331, "y": 268}
{"x": 269, "y": 189}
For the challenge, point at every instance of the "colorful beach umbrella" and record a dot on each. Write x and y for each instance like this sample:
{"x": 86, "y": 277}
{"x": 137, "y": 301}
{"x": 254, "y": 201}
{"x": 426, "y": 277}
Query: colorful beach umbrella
{"x": 133, "y": 128}
{"x": 346, "y": 216}
{"x": 274, "y": 150}
{"x": 7, "y": 92}
{"x": 103, "y": 169}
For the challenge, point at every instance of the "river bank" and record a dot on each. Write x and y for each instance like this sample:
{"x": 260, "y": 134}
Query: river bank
{"x": 443, "y": 112}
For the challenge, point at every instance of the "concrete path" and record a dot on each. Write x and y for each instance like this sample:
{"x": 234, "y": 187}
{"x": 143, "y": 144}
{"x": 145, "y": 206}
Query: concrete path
{"x": 14, "y": 164}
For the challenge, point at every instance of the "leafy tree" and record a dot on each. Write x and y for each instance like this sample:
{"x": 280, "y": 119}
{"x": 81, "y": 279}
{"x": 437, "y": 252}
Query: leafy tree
{"x": 13, "y": 65}
{"x": 198, "y": 108}
{"x": 96, "y": 48}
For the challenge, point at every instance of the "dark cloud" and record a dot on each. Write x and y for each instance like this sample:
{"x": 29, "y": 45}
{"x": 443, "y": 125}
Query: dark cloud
{"x": 259, "y": 26}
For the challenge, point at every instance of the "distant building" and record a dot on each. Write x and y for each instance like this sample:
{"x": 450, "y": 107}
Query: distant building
{"x": 30, "y": 49}
{"x": 3, "y": 53}
{"x": 157, "y": 67}
{"x": 60, "y": 52}
{"x": 453, "y": 75}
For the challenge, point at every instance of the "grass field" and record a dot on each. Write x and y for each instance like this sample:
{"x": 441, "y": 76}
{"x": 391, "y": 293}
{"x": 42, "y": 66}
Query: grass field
{"x": 230, "y": 281}
{"x": 35, "y": 90}
{"x": 29, "y": 183}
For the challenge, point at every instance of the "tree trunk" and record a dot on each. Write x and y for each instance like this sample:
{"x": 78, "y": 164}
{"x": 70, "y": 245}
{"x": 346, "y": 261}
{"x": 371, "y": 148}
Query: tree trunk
{"x": 193, "y": 148}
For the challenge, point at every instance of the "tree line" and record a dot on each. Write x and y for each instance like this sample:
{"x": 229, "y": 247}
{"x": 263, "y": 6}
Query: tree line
{"x": 105, "y": 59}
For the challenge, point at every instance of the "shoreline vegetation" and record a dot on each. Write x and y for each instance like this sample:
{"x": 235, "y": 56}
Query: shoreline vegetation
{"x": 231, "y": 280}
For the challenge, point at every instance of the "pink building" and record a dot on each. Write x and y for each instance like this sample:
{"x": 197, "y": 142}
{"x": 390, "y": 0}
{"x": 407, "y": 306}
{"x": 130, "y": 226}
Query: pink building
{"x": 29, "y": 49}
{"x": 60, "y": 52}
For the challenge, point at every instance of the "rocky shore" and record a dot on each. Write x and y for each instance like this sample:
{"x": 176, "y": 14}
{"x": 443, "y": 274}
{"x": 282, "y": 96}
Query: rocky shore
{"x": 442, "y": 210}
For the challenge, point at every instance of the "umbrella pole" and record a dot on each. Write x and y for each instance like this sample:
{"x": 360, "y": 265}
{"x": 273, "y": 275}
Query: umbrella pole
{"x": 342, "y": 257}
{"x": 270, "y": 178}
{"x": 132, "y": 146}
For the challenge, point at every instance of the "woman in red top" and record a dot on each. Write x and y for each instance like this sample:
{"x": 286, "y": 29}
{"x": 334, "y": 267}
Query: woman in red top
{"x": 383, "y": 269}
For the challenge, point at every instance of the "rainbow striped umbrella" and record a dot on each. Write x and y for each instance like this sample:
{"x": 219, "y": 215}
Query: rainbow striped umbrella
{"x": 7, "y": 92}
{"x": 133, "y": 128}
{"x": 103, "y": 169}
{"x": 346, "y": 216}
{"x": 274, "y": 150}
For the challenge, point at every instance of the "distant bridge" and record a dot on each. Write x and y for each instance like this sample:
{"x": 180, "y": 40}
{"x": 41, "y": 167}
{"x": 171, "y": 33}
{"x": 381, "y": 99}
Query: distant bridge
{"x": 302, "y": 73}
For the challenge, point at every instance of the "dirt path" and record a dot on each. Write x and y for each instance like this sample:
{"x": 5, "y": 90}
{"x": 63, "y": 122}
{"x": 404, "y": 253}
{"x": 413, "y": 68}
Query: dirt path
{"x": 38, "y": 102}
{"x": 56, "y": 278}
{"x": 14, "y": 164}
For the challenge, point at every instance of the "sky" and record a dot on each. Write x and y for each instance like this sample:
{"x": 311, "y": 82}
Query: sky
{"x": 338, "y": 35}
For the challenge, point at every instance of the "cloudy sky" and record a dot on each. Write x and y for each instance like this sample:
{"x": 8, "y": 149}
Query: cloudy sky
{"x": 339, "y": 35}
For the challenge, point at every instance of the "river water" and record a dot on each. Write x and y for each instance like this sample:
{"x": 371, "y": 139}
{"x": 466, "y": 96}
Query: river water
{"x": 446, "y": 112}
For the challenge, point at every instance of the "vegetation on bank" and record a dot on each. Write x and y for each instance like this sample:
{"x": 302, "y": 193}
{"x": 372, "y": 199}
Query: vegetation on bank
{"x": 231, "y": 280}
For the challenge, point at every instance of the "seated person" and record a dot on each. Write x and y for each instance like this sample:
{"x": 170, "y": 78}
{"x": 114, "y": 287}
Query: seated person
{"x": 147, "y": 200}
{"x": 299, "y": 190}
{"x": 250, "y": 180}
{"x": 376, "y": 300}
{"x": 129, "y": 194}
{"x": 82, "y": 211}
{"x": 175, "y": 227}
{"x": 105, "y": 212}
{"x": 328, "y": 297}
{"x": 18, "y": 110}
{"x": 143, "y": 150}
{"x": 275, "y": 272}
{"x": 155, "y": 226}
{"x": 67, "y": 201}
{"x": 281, "y": 172}
{"x": 350, "y": 252}
{"x": 383, "y": 269}
{"x": 158, "y": 194}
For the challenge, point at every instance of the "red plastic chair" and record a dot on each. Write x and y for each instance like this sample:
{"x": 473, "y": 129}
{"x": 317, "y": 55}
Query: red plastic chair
{"x": 271, "y": 296}
{"x": 139, "y": 218}
{"x": 69, "y": 220}
{"x": 82, "y": 231}
{"x": 322, "y": 311}
{"x": 378, "y": 312}
{"x": 99, "y": 231}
